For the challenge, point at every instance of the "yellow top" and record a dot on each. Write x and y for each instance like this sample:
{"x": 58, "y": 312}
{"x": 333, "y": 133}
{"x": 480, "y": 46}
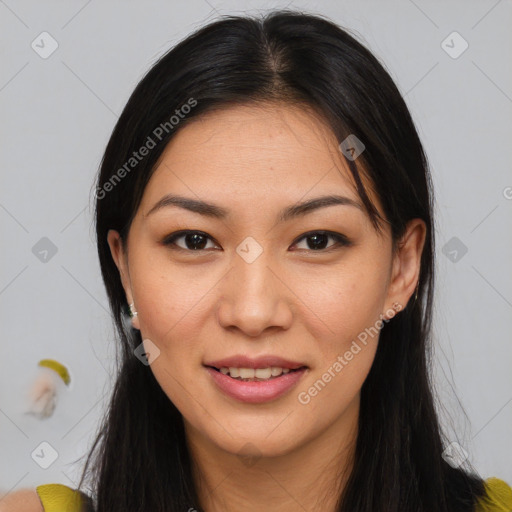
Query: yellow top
{"x": 498, "y": 498}
{"x": 61, "y": 498}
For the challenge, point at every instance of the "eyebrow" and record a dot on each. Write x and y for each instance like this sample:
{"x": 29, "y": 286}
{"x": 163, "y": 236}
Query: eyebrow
{"x": 218, "y": 212}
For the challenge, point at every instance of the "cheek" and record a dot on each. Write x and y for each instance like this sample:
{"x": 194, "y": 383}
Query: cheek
{"x": 171, "y": 306}
{"x": 346, "y": 341}
{"x": 342, "y": 306}
{"x": 170, "y": 302}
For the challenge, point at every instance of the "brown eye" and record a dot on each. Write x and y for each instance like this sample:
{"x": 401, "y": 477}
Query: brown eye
{"x": 318, "y": 240}
{"x": 192, "y": 240}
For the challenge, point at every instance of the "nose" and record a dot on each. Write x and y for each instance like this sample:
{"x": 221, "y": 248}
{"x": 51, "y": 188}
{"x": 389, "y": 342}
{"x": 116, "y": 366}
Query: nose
{"x": 254, "y": 298}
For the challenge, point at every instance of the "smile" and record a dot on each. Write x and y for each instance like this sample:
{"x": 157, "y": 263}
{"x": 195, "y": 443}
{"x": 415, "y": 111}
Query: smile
{"x": 255, "y": 385}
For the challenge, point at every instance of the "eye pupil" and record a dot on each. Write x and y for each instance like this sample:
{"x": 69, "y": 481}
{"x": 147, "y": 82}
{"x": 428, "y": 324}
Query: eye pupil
{"x": 320, "y": 241}
{"x": 196, "y": 240}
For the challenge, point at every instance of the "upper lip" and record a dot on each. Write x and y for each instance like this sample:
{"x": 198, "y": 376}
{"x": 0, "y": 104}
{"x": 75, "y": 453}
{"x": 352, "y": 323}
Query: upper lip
{"x": 241, "y": 361}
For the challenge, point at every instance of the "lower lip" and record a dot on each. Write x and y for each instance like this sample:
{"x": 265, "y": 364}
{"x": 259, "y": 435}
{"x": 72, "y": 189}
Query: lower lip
{"x": 256, "y": 392}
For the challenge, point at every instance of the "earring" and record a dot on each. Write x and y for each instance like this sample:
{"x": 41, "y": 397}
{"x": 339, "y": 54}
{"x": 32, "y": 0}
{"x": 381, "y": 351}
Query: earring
{"x": 133, "y": 313}
{"x": 416, "y": 293}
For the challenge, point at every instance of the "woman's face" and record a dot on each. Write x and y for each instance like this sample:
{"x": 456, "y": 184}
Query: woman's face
{"x": 251, "y": 284}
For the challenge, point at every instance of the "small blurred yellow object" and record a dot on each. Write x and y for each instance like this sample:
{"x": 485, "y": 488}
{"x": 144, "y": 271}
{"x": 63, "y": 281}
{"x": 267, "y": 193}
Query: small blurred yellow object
{"x": 44, "y": 389}
{"x": 56, "y": 366}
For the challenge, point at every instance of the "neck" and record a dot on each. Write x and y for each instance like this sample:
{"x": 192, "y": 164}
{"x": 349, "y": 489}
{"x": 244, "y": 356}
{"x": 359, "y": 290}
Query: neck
{"x": 310, "y": 477}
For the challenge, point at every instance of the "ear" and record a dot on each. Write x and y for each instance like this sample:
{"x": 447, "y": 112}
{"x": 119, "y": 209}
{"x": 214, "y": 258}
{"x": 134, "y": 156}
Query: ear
{"x": 120, "y": 257}
{"x": 406, "y": 265}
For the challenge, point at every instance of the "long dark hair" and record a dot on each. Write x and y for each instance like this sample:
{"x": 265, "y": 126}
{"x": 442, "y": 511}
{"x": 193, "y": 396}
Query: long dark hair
{"x": 139, "y": 460}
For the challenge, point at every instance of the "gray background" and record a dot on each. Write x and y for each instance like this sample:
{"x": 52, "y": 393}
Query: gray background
{"x": 57, "y": 114}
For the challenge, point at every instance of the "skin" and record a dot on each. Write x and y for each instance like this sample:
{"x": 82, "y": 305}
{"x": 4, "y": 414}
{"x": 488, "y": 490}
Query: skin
{"x": 22, "y": 500}
{"x": 295, "y": 301}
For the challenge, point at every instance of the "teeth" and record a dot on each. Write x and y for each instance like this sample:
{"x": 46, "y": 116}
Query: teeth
{"x": 252, "y": 373}
{"x": 263, "y": 373}
{"x": 244, "y": 373}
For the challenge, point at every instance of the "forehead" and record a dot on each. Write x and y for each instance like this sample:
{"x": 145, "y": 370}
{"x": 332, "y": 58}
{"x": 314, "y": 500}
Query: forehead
{"x": 253, "y": 152}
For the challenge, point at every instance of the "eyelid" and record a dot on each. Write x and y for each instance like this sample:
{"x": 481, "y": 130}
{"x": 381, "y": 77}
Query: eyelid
{"x": 169, "y": 240}
{"x": 341, "y": 240}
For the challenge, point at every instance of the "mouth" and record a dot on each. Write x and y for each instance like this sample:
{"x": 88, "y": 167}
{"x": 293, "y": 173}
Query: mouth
{"x": 256, "y": 385}
{"x": 255, "y": 374}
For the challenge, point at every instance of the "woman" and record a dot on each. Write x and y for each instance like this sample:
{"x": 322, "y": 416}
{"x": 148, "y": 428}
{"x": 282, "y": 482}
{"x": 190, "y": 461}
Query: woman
{"x": 264, "y": 213}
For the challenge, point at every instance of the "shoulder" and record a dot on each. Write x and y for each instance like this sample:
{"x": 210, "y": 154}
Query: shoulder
{"x": 498, "y": 497}
{"x": 24, "y": 500}
{"x": 46, "y": 498}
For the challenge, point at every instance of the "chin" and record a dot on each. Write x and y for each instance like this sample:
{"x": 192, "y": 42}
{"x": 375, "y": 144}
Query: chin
{"x": 258, "y": 445}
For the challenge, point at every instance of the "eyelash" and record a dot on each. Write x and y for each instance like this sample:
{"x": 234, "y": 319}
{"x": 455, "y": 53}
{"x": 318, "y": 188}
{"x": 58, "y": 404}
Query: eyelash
{"x": 341, "y": 240}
